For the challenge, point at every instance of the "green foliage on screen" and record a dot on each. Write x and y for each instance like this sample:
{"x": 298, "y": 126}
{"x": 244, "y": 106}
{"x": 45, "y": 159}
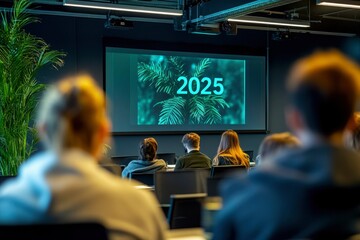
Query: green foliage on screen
{"x": 158, "y": 76}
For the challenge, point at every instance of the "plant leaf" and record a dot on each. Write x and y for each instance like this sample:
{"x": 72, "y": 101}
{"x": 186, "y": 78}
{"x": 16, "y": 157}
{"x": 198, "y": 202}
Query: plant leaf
{"x": 172, "y": 111}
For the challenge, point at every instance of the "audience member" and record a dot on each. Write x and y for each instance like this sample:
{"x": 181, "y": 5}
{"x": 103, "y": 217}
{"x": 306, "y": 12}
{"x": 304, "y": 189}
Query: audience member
{"x": 229, "y": 151}
{"x": 65, "y": 183}
{"x": 148, "y": 162}
{"x": 352, "y": 136}
{"x": 291, "y": 196}
{"x": 193, "y": 157}
{"x": 275, "y": 144}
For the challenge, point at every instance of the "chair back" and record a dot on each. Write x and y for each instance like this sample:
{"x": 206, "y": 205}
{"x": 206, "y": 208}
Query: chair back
{"x": 179, "y": 182}
{"x": 68, "y": 231}
{"x": 227, "y": 170}
{"x": 213, "y": 186}
{"x": 185, "y": 210}
{"x": 145, "y": 178}
{"x": 113, "y": 168}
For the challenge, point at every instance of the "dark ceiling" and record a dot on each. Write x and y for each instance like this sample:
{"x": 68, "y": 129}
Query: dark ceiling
{"x": 214, "y": 13}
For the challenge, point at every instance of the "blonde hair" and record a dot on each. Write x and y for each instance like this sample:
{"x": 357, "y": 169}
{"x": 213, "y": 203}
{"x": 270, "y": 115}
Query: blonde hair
{"x": 229, "y": 148}
{"x": 71, "y": 114}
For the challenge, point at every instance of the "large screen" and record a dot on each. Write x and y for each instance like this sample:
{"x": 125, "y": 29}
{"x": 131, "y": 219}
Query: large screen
{"x": 167, "y": 91}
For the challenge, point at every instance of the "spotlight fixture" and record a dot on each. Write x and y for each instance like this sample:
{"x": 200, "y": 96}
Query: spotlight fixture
{"x": 228, "y": 28}
{"x": 339, "y": 3}
{"x": 270, "y": 21}
{"x": 123, "y": 8}
{"x": 118, "y": 23}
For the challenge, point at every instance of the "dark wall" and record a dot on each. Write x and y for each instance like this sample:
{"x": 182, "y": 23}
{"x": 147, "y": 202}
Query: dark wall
{"x": 82, "y": 40}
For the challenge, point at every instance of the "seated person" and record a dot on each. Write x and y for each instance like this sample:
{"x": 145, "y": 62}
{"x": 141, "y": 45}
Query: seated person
{"x": 275, "y": 144}
{"x": 66, "y": 183}
{"x": 148, "y": 162}
{"x": 352, "y": 134}
{"x": 229, "y": 151}
{"x": 193, "y": 157}
{"x": 289, "y": 196}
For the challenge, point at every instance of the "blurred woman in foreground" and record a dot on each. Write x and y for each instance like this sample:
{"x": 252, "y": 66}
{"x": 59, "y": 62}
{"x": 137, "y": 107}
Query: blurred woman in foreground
{"x": 65, "y": 184}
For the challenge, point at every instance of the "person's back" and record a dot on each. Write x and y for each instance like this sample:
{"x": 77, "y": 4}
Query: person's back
{"x": 66, "y": 183}
{"x": 148, "y": 162}
{"x": 276, "y": 143}
{"x": 193, "y": 157}
{"x": 292, "y": 196}
{"x": 229, "y": 151}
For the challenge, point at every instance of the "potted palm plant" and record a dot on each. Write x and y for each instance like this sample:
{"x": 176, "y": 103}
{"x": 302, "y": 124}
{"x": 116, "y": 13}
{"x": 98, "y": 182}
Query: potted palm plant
{"x": 22, "y": 55}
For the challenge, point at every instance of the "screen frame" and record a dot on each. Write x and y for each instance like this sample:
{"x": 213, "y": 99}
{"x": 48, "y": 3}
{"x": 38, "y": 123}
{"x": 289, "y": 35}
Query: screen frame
{"x": 193, "y": 48}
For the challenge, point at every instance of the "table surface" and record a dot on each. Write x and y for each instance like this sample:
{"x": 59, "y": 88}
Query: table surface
{"x": 188, "y": 234}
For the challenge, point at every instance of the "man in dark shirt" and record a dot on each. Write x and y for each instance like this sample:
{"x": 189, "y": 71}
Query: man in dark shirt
{"x": 194, "y": 158}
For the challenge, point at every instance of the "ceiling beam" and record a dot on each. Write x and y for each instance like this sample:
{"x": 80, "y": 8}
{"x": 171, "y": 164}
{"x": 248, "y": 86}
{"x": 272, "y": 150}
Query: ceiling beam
{"x": 229, "y": 8}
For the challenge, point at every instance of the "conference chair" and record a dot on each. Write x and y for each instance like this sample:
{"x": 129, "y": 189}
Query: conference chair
{"x": 213, "y": 186}
{"x": 227, "y": 170}
{"x": 185, "y": 210}
{"x": 179, "y": 182}
{"x": 113, "y": 168}
{"x": 145, "y": 178}
{"x": 65, "y": 231}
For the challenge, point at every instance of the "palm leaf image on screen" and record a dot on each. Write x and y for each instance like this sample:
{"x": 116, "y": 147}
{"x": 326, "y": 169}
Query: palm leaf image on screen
{"x": 169, "y": 77}
{"x": 176, "y": 90}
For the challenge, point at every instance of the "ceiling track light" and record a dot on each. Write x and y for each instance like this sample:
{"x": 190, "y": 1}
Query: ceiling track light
{"x": 123, "y": 8}
{"x": 271, "y": 21}
{"x": 339, "y": 3}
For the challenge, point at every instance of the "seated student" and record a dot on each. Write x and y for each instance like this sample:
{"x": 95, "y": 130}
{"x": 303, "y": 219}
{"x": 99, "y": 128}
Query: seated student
{"x": 276, "y": 143}
{"x": 193, "y": 157}
{"x": 65, "y": 183}
{"x": 229, "y": 151}
{"x": 148, "y": 162}
{"x": 290, "y": 196}
{"x": 352, "y": 135}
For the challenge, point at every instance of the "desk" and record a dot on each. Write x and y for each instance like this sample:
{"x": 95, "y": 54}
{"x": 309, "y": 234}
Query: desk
{"x": 170, "y": 167}
{"x": 187, "y": 234}
{"x": 151, "y": 188}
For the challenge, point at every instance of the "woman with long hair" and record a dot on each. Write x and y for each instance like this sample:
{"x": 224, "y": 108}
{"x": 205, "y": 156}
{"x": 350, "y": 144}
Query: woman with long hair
{"x": 229, "y": 151}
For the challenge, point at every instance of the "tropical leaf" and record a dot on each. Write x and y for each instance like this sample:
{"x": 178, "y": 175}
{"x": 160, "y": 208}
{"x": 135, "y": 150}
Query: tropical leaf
{"x": 177, "y": 65}
{"x": 160, "y": 75}
{"x": 22, "y": 55}
{"x": 197, "y": 109}
{"x": 219, "y": 101}
{"x": 172, "y": 111}
{"x": 212, "y": 115}
{"x": 213, "y": 104}
{"x": 201, "y": 67}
